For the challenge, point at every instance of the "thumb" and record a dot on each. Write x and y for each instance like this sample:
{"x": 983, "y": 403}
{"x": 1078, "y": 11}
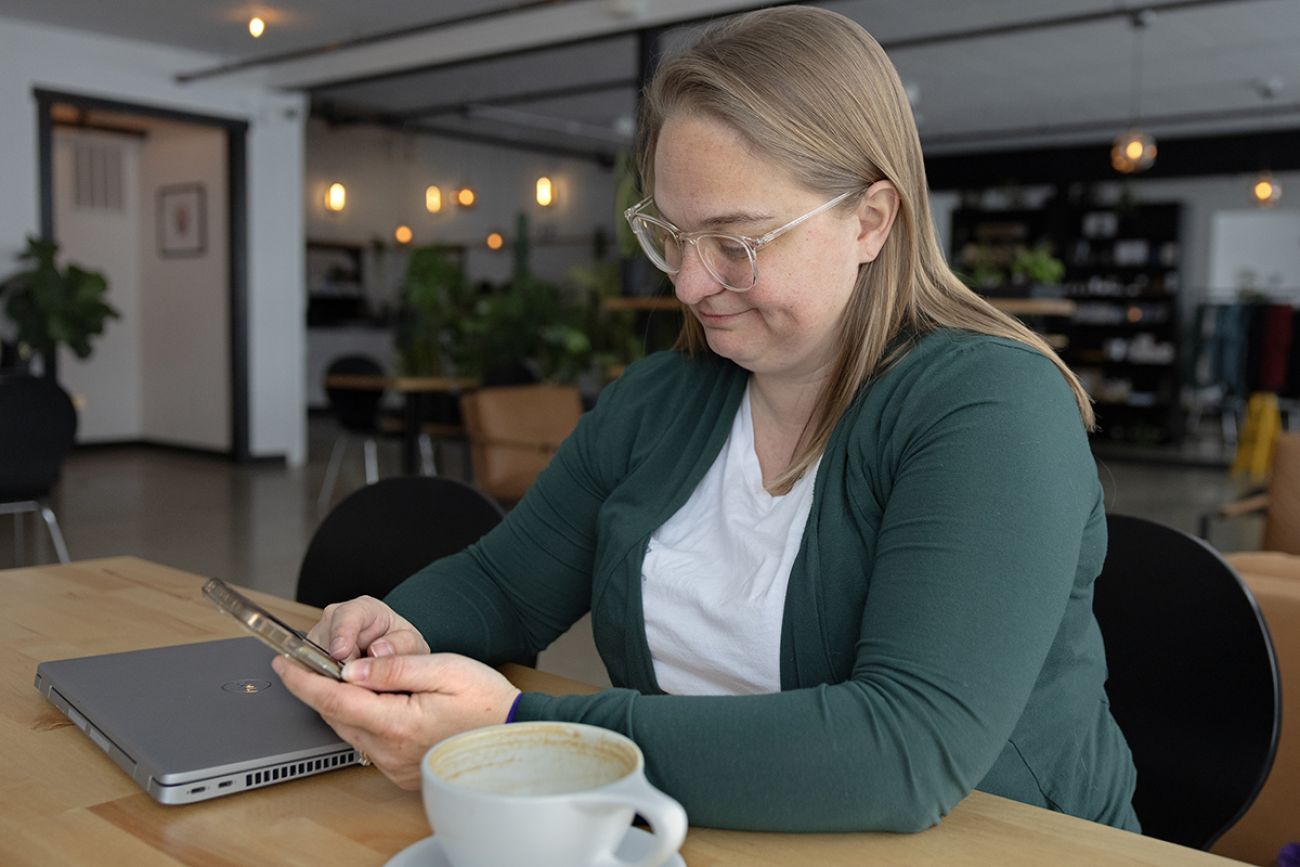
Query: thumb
{"x": 425, "y": 672}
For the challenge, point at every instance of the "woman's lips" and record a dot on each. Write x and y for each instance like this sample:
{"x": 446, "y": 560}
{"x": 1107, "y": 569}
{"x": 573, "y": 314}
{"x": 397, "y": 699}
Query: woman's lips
{"x": 718, "y": 318}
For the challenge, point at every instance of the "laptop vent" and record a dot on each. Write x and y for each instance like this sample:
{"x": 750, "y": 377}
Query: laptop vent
{"x": 298, "y": 769}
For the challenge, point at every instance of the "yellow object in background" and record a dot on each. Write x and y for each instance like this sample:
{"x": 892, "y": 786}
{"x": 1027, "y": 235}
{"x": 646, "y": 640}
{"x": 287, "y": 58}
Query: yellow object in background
{"x": 1255, "y": 447}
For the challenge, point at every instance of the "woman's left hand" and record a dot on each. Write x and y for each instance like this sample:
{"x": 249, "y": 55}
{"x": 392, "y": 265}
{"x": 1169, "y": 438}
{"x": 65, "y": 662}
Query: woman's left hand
{"x": 393, "y": 708}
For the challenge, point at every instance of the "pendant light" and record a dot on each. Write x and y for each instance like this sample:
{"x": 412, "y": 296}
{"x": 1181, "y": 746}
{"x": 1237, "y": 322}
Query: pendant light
{"x": 1265, "y": 191}
{"x": 1134, "y": 150}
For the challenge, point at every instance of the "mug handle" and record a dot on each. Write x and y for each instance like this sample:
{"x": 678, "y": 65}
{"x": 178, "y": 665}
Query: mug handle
{"x": 667, "y": 820}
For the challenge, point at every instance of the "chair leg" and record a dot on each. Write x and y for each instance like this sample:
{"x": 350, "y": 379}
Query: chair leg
{"x": 427, "y": 466}
{"x": 332, "y": 473}
{"x": 20, "y": 540}
{"x": 372, "y": 461}
{"x": 56, "y": 535}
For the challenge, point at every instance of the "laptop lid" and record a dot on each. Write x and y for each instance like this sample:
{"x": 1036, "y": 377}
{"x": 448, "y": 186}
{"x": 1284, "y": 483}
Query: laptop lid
{"x": 194, "y": 721}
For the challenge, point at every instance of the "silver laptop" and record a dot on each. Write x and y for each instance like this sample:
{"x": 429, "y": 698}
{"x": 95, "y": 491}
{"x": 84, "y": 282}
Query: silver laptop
{"x": 194, "y": 721}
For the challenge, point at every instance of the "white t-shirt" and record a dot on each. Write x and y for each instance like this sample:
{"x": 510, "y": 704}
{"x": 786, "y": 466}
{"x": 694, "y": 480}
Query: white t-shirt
{"x": 714, "y": 577}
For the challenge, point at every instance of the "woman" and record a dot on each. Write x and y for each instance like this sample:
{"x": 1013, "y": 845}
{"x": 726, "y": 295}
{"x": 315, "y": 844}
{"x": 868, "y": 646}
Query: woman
{"x": 839, "y": 549}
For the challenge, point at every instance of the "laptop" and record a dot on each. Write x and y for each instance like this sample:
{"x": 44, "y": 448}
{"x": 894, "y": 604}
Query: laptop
{"x": 194, "y": 721}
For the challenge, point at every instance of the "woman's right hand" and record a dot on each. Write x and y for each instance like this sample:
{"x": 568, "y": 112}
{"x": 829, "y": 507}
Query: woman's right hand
{"x": 365, "y": 626}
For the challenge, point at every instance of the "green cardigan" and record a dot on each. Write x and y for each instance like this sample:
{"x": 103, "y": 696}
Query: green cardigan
{"x": 938, "y": 633}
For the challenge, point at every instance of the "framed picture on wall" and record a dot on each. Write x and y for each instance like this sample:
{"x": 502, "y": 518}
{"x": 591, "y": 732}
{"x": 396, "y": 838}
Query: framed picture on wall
{"x": 182, "y": 221}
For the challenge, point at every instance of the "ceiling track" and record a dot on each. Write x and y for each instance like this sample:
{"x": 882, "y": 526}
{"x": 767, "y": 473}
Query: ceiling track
{"x": 1148, "y": 121}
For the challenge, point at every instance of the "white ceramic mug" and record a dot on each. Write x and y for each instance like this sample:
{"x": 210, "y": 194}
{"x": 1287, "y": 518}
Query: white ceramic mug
{"x": 546, "y": 794}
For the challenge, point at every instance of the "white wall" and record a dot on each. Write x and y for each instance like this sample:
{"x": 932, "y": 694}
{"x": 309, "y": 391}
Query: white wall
{"x": 34, "y": 56}
{"x": 106, "y": 386}
{"x": 185, "y": 302}
{"x": 386, "y": 174}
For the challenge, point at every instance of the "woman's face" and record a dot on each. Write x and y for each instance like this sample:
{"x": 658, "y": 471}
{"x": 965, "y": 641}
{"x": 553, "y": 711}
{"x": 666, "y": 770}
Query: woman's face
{"x": 705, "y": 177}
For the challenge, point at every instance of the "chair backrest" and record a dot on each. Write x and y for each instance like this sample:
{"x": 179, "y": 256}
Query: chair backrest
{"x": 386, "y": 532}
{"x": 1274, "y": 819}
{"x": 38, "y": 424}
{"x": 1282, "y": 520}
{"x": 513, "y": 431}
{"x": 1192, "y": 681}
{"x": 355, "y": 409}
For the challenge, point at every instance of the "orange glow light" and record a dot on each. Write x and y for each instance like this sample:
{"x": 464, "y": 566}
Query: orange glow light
{"x": 432, "y": 199}
{"x": 495, "y": 241}
{"x": 403, "y": 234}
{"x": 465, "y": 197}
{"x": 336, "y": 197}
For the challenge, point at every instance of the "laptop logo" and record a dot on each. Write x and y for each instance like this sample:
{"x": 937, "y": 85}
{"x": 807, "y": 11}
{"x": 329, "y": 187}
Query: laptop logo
{"x": 246, "y": 687}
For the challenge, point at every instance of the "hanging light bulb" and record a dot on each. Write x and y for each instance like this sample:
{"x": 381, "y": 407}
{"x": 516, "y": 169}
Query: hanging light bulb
{"x": 1265, "y": 192}
{"x": 432, "y": 199}
{"x": 545, "y": 192}
{"x": 336, "y": 197}
{"x": 1134, "y": 150}
{"x": 256, "y": 27}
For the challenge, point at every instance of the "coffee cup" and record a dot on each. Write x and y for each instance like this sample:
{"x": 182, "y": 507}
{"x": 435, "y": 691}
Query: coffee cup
{"x": 546, "y": 794}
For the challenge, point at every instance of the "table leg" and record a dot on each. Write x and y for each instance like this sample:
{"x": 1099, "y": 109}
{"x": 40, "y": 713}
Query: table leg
{"x": 412, "y": 407}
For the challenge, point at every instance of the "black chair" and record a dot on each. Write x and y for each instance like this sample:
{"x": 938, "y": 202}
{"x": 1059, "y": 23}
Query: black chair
{"x": 1193, "y": 681}
{"x": 38, "y": 424}
{"x": 386, "y": 532}
{"x": 357, "y": 412}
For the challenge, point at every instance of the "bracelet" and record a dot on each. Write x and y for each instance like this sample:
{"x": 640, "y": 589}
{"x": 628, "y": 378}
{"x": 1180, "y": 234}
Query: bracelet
{"x": 514, "y": 708}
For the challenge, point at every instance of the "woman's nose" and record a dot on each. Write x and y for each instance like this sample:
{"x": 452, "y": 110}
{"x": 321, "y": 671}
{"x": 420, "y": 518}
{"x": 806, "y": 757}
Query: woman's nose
{"x": 693, "y": 282}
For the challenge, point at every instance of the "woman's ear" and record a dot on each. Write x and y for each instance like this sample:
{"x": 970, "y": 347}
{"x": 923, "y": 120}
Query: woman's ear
{"x": 876, "y": 213}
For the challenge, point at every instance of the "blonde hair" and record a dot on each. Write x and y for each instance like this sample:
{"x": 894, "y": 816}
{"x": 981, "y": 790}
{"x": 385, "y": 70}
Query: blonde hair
{"x": 814, "y": 92}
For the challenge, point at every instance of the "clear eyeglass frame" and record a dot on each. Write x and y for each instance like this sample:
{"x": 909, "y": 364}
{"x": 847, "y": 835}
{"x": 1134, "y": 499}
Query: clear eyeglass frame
{"x": 645, "y": 225}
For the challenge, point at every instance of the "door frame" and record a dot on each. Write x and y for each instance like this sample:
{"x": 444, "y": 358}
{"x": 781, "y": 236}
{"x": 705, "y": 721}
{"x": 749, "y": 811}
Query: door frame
{"x": 237, "y": 222}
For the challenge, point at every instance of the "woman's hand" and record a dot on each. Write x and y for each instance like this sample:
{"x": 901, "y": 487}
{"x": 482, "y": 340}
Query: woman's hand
{"x": 393, "y": 708}
{"x": 365, "y": 626}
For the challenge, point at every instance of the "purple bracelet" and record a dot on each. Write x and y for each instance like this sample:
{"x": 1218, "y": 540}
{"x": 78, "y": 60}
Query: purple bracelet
{"x": 514, "y": 709}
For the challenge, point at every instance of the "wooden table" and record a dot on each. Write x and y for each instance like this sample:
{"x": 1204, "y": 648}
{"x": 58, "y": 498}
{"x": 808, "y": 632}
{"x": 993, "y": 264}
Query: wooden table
{"x": 62, "y": 801}
{"x": 413, "y": 389}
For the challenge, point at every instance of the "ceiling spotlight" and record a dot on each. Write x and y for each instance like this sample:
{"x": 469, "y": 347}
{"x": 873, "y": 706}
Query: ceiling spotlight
{"x": 256, "y": 27}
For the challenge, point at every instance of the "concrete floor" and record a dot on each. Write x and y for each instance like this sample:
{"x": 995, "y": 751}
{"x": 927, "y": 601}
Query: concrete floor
{"x": 251, "y": 525}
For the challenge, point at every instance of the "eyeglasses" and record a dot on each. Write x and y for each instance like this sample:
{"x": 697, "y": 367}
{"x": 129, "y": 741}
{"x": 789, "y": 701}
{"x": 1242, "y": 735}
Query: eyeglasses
{"x": 732, "y": 260}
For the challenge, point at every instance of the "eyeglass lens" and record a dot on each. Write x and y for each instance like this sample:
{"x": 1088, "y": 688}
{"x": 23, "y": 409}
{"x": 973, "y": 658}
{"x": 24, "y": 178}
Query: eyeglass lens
{"x": 724, "y": 257}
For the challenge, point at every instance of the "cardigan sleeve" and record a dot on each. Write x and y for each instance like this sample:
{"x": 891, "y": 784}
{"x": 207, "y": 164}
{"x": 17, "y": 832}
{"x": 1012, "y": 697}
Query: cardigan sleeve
{"x": 990, "y": 486}
{"x": 528, "y": 580}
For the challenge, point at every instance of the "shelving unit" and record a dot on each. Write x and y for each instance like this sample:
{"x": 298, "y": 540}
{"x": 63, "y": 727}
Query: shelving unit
{"x": 1122, "y": 273}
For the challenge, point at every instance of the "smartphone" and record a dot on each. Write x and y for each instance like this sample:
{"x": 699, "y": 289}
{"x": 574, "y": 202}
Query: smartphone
{"x": 273, "y": 632}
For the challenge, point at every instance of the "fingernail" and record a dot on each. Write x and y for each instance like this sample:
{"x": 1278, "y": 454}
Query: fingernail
{"x": 356, "y": 670}
{"x": 277, "y": 665}
{"x": 381, "y": 648}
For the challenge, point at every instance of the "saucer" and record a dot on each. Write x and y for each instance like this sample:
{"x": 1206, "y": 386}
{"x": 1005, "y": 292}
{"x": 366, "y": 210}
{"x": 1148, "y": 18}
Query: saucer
{"x": 427, "y": 852}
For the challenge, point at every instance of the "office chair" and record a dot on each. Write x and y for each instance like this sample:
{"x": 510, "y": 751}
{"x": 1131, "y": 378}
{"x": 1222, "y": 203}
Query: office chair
{"x": 357, "y": 412}
{"x": 1193, "y": 682}
{"x": 384, "y": 533}
{"x": 38, "y": 424}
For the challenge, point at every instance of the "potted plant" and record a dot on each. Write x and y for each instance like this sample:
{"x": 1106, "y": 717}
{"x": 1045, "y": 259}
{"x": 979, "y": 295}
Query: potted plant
{"x": 50, "y": 305}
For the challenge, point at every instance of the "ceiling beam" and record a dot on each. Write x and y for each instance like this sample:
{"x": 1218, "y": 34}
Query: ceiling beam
{"x": 532, "y": 26}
